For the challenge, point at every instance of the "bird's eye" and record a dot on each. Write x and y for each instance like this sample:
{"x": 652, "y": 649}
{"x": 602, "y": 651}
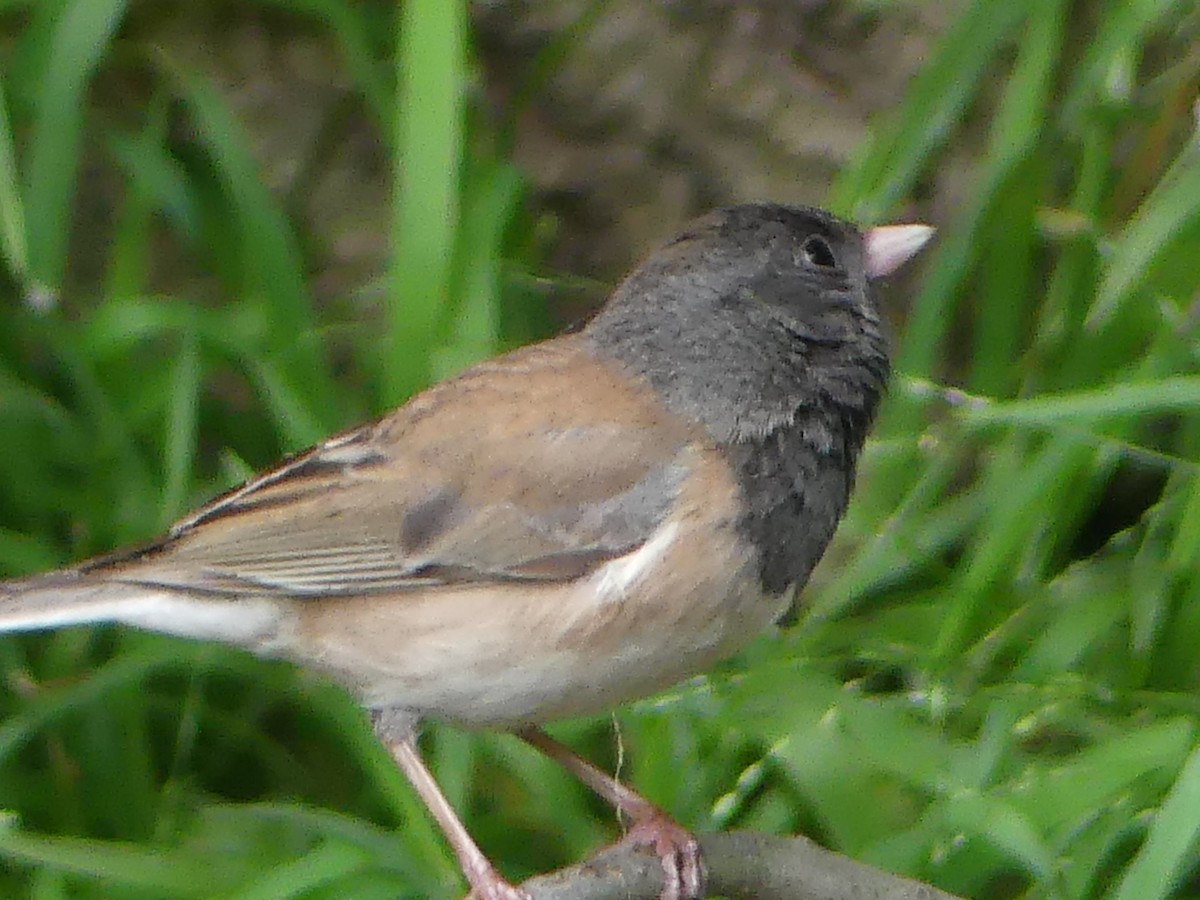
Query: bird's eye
{"x": 817, "y": 252}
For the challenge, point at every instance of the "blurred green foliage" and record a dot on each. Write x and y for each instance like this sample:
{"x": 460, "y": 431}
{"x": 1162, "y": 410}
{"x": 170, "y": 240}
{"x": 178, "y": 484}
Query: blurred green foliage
{"x": 994, "y": 686}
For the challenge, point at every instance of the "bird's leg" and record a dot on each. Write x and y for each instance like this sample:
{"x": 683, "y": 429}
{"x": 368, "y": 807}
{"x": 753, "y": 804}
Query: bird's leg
{"x": 486, "y": 883}
{"x": 650, "y": 826}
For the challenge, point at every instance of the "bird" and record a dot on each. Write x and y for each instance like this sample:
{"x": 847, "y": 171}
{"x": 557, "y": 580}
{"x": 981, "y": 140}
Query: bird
{"x": 558, "y": 530}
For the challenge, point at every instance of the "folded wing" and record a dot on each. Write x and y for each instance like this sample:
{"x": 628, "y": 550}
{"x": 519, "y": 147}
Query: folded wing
{"x": 507, "y": 473}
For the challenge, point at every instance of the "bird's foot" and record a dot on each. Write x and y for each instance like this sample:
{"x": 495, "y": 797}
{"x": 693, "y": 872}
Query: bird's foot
{"x": 679, "y": 851}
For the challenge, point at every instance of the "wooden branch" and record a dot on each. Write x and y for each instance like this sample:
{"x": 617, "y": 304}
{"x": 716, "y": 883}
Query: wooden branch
{"x": 742, "y": 865}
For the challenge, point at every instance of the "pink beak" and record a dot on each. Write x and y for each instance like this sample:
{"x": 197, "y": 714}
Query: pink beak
{"x": 891, "y": 246}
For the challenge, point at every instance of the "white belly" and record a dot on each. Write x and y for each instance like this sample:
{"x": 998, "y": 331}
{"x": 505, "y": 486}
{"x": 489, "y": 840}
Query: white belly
{"x": 506, "y": 654}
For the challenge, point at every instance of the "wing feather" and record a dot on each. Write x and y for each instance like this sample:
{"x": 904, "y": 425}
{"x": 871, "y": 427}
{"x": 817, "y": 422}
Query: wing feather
{"x": 499, "y": 474}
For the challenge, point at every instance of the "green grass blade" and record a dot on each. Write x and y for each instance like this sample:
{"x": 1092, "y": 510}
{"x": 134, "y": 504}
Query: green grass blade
{"x": 182, "y": 423}
{"x": 1185, "y": 544}
{"x": 1172, "y": 210}
{"x": 329, "y": 862}
{"x": 80, "y": 38}
{"x": 12, "y": 211}
{"x": 288, "y": 405}
{"x": 1012, "y": 138}
{"x": 431, "y": 76}
{"x": 1123, "y": 31}
{"x": 126, "y": 670}
{"x": 474, "y": 319}
{"x": 116, "y": 864}
{"x": 1008, "y": 256}
{"x": 1178, "y": 394}
{"x": 1168, "y": 855}
{"x": 275, "y": 271}
{"x": 933, "y": 108}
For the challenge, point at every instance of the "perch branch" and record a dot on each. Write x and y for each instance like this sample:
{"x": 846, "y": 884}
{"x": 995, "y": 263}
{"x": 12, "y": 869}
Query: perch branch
{"x": 742, "y": 865}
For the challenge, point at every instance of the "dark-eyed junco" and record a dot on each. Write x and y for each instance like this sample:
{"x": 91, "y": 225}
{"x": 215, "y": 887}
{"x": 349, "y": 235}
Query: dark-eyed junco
{"x": 559, "y": 530}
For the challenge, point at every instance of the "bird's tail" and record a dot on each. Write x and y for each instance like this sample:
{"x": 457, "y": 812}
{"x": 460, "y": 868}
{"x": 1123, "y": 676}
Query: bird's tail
{"x": 61, "y": 599}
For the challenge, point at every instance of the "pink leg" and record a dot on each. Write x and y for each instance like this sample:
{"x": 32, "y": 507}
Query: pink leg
{"x": 486, "y": 883}
{"x": 651, "y": 826}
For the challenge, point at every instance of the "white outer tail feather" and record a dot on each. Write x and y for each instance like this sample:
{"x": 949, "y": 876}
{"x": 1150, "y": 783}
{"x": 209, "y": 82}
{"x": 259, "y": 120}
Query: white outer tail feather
{"x": 57, "y": 601}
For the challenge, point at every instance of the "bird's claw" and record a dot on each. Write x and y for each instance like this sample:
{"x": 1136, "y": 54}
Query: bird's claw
{"x": 683, "y": 863}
